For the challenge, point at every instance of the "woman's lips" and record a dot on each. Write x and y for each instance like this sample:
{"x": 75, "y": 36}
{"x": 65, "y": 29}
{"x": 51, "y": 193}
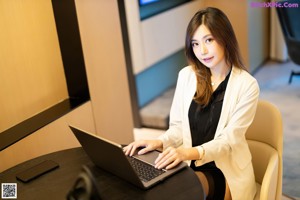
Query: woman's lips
{"x": 207, "y": 60}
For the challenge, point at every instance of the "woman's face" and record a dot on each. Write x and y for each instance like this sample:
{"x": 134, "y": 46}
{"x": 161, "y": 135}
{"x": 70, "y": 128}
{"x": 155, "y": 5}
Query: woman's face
{"x": 206, "y": 49}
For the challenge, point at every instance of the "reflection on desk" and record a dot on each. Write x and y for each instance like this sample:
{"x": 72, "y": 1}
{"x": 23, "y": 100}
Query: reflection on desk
{"x": 56, "y": 184}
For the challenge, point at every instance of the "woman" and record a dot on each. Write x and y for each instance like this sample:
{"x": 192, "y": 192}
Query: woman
{"x": 214, "y": 104}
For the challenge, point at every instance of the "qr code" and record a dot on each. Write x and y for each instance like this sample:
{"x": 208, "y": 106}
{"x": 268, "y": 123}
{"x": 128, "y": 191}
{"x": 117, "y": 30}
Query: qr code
{"x": 9, "y": 190}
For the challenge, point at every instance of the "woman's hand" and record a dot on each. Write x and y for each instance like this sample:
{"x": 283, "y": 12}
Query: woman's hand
{"x": 171, "y": 157}
{"x": 146, "y": 145}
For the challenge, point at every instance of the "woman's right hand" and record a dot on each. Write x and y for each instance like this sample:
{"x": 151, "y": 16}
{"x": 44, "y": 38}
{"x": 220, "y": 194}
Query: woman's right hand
{"x": 146, "y": 145}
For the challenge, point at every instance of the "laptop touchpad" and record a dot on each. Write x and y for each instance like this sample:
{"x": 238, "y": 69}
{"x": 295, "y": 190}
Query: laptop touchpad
{"x": 148, "y": 157}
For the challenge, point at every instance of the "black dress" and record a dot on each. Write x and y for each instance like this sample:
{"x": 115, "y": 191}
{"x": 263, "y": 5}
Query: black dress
{"x": 203, "y": 124}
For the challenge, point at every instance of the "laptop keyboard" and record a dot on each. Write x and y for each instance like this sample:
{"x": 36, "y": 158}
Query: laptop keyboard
{"x": 145, "y": 171}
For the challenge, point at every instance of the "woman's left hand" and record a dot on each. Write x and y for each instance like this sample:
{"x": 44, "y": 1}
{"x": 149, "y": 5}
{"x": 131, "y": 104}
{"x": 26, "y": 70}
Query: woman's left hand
{"x": 170, "y": 157}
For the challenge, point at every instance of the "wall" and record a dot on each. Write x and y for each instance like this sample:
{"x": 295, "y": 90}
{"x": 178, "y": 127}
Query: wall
{"x": 258, "y": 36}
{"x": 53, "y": 137}
{"x": 156, "y": 41}
{"x": 32, "y": 80}
{"x": 162, "y": 35}
{"x": 157, "y": 37}
{"x": 278, "y": 49}
{"x": 103, "y": 51}
{"x": 159, "y": 77}
{"x": 109, "y": 112}
{"x": 32, "y": 76}
{"x": 156, "y": 45}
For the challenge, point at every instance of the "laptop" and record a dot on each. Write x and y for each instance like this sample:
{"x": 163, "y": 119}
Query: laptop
{"x": 109, "y": 156}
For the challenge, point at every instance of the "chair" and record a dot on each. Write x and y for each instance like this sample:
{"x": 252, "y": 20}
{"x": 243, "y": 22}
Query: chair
{"x": 265, "y": 140}
{"x": 291, "y": 30}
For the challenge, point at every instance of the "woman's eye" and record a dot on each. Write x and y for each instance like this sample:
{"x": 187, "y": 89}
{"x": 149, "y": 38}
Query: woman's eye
{"x": 195, "y": 44}
{"x": 209, "y": 40}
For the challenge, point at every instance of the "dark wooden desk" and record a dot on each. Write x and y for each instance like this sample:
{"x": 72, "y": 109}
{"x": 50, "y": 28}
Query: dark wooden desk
{"x": 56, "y": 184}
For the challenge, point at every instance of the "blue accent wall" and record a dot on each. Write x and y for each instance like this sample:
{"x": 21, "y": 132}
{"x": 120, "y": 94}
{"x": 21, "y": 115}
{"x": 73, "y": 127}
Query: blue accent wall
{"x": 159, "y": 77}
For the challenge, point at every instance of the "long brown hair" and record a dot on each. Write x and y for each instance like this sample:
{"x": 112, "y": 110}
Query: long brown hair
{"x": 221, "y": 29}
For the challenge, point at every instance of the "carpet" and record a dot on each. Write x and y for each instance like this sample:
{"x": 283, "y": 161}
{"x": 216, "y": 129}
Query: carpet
{"x": 273, "y": 81}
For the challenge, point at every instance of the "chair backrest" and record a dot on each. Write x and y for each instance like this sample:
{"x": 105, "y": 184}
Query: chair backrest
{"x": 265, "y": 139}
{"x": 287, "y": 14}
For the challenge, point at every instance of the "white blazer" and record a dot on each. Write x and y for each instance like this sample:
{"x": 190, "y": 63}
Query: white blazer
{"x": 229, "y": 148}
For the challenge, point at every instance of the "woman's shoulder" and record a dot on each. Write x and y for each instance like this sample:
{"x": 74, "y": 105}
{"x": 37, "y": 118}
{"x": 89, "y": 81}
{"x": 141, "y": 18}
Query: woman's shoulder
{"x": 187, "y": 74}
{"x": 243, "y": 74}
{"x": 244, "y": 79}
{"x": 187, "y": 70}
